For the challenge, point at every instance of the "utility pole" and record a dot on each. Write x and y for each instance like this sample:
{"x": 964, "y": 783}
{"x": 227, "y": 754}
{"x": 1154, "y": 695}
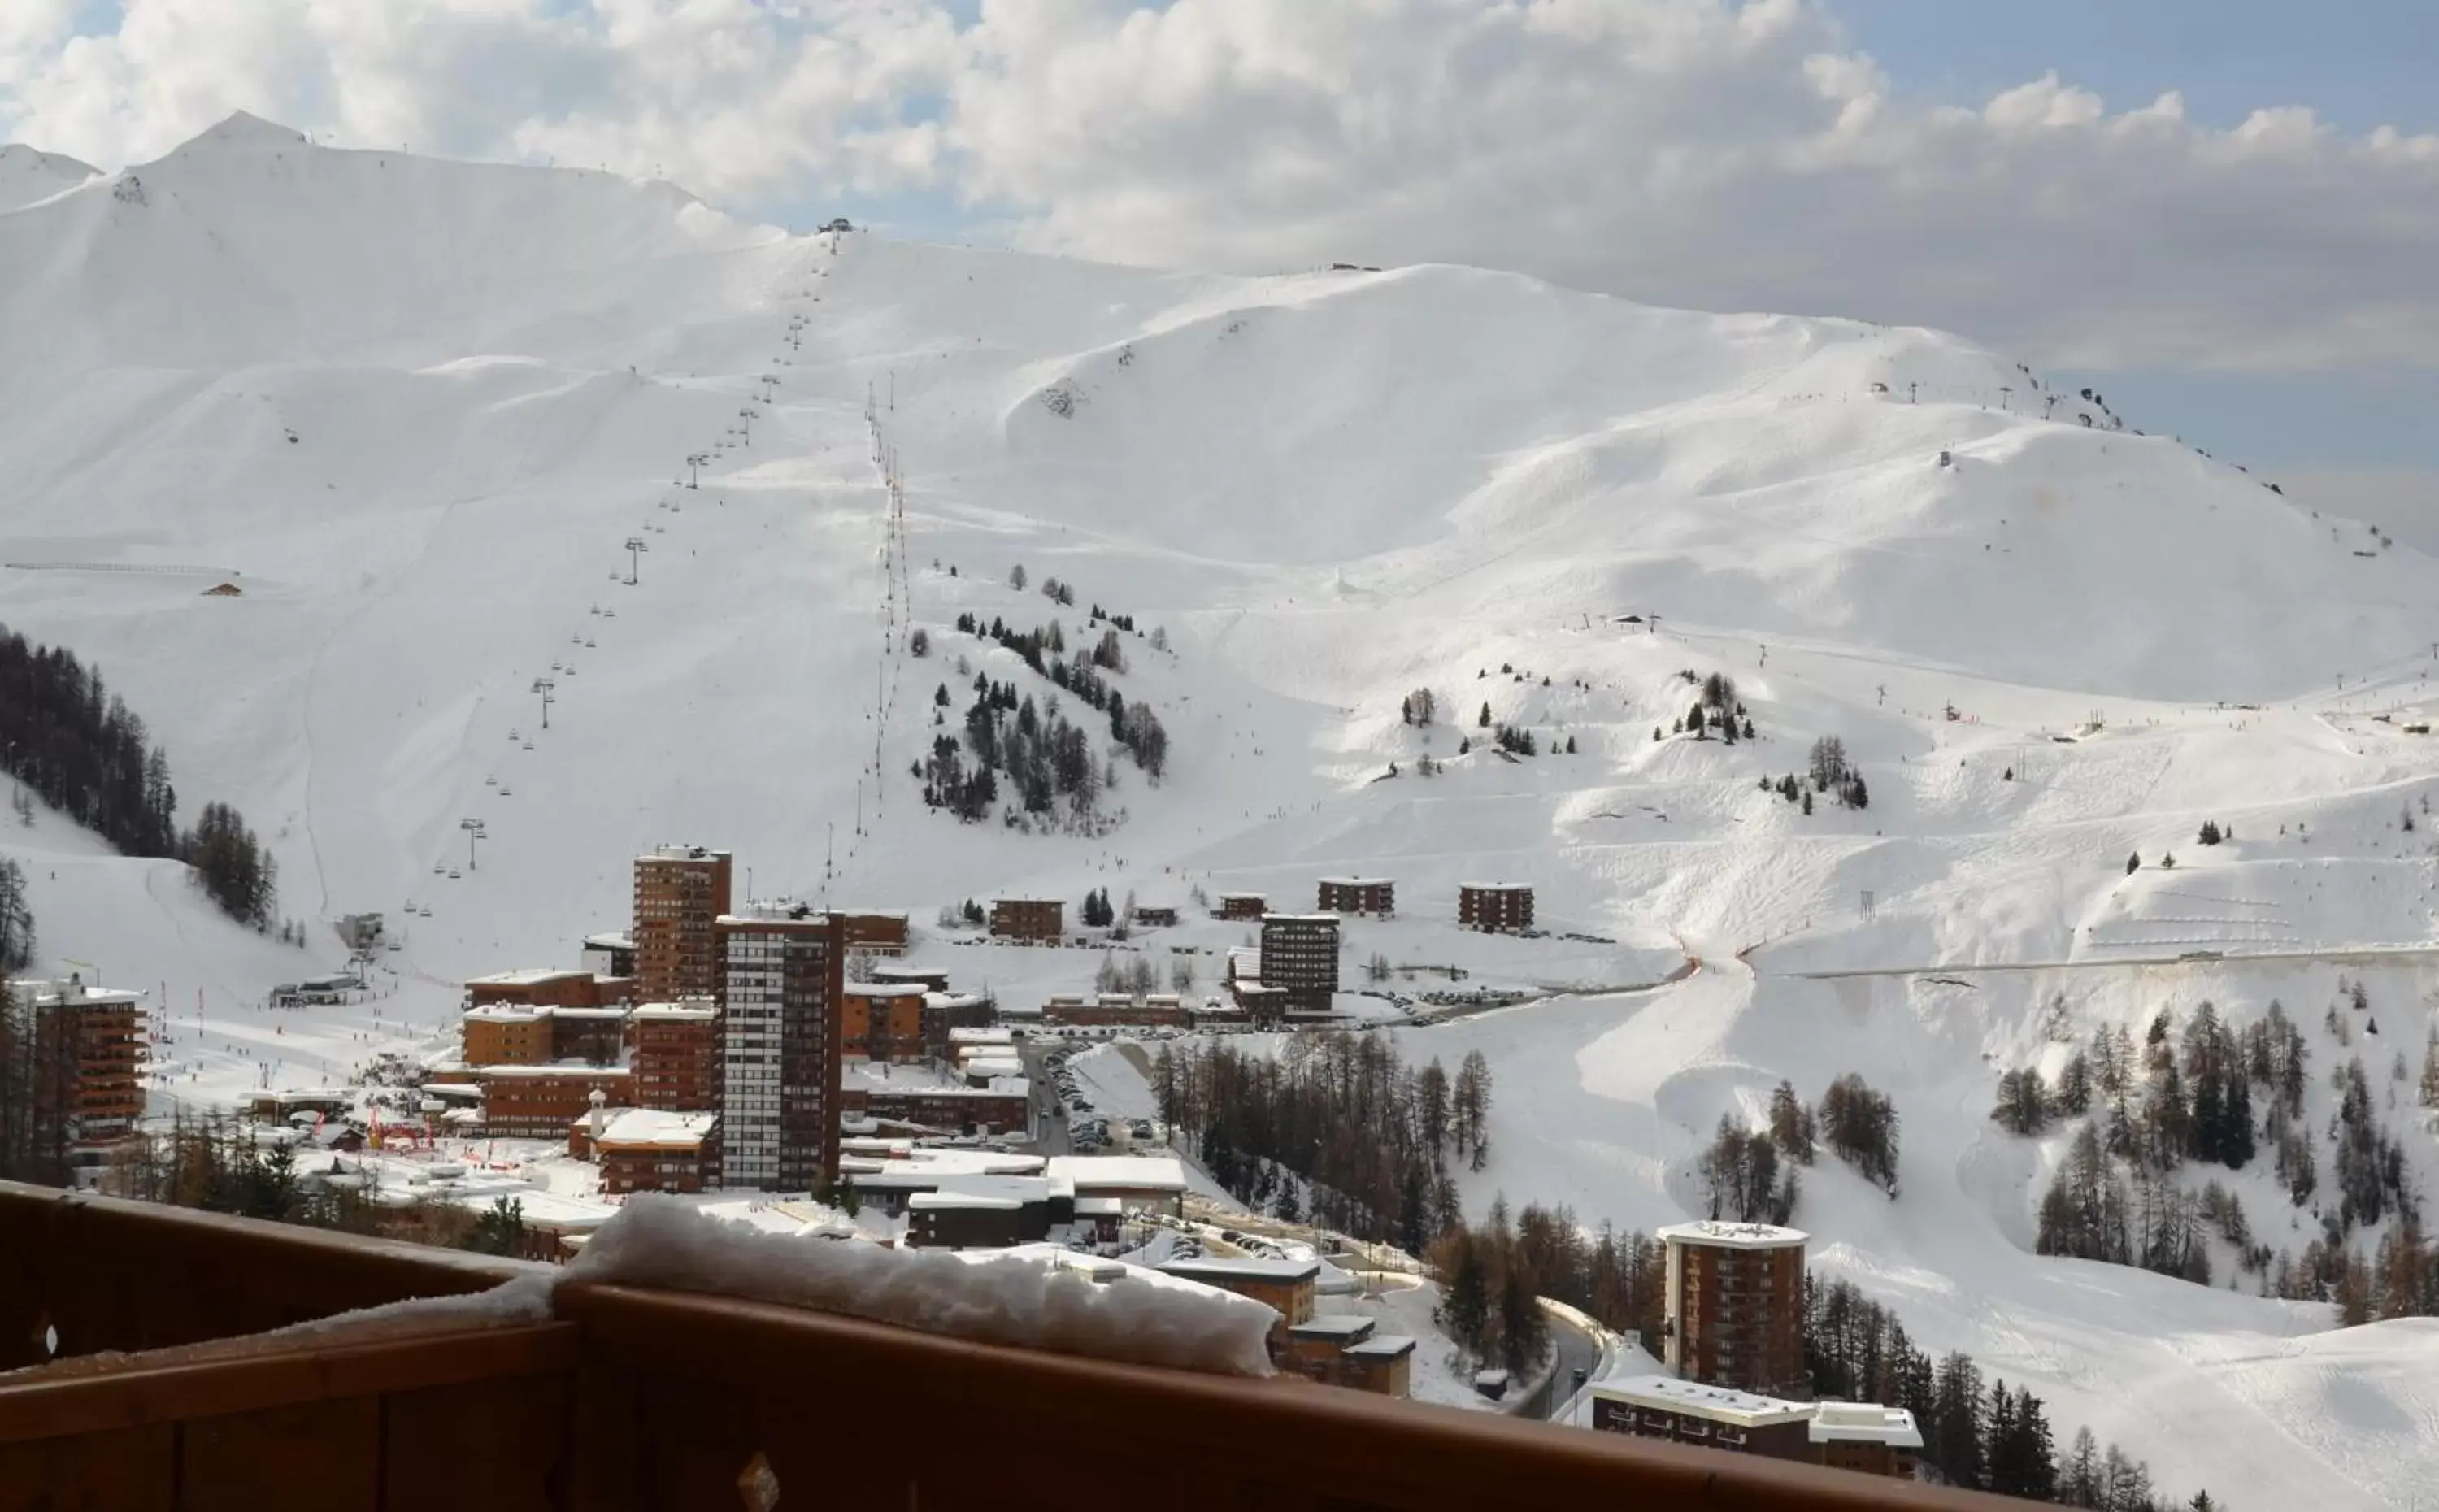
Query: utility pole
{"x": 545, "y": 688}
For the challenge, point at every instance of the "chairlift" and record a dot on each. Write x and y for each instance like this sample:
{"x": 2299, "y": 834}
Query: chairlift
{"x": 528, "y": 745}
{"x": 506, "y": 790}
{"x": 454, "y": 874}
{"x": 424, "y": 912}
{"x": 614, "y": 576}
{"x": 595, "y": 609}
{"x": 437, "y": 868}
{"x": 490, "y": 782}
{"x": 609, "y": 613}
{"x": 588, "y": 646}
{"x": 514, "y": 735}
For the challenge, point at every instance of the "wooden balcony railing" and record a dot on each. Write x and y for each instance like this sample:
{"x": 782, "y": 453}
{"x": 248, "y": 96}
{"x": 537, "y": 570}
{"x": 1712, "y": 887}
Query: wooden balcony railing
{"x": 638, "y": 1401}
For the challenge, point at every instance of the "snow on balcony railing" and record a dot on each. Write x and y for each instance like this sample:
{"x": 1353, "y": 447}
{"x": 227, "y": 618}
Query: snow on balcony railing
{"x": 1138, "y": 1318}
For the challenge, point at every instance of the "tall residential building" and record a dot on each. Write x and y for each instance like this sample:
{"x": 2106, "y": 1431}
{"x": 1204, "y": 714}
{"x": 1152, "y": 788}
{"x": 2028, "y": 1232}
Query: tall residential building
{"x": 86, "y": 1049}
{"x": 680, "y": 891}
{"x": 1359, "y": 895}
{"x": 1300, "y": 959}
{"x": 783, "y": 975}
{"x": 1736, "y": 1307}
{"x": 1495, "y": 908}
{"x": 676, "y": 1048}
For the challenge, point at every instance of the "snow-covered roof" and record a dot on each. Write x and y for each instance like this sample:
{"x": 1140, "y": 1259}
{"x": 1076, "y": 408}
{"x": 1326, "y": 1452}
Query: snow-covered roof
{"x": 50, "y": 994}
{"x": 995, "y": 1066}
{"x": 555, "y": 1068}
{"x": 539, "y": 1209}
{"x": 1023, "y": 1189}
{"x": 526, "y": 976}
{"x": 952, "y": 1000}
{"x": 1330, "y": 919}
{"x": 599, "y": 1014}
{"x": 1120, "y": 1172}
{"x": 1864, "y": 1423}
{"x": 1358, "y": 882}
{"x": 1496, "y": 887}
{"x": 673, "y": 1013}
{"x": 614, "y": 940}
{"x": 1226, "y": 897}
{"x": 980, "y": 1035}
{"x": 1692, "y": 1398}
{"x": 1244, "y": 1269}
{"x": 650, "y": 1125}
{"x": 950, "y": 1198}
{"x": 1380, "y": 1347}
{"x": 942, "y": 1163}
{"x": 506, "y": 1013}
{"x": 885, "y": 989}
{"x": 682, "y": 853}
{"x": 1100, "y": 1207}
{"x": 1344, "y": 1327}
{"x": 1733, "y": 1235}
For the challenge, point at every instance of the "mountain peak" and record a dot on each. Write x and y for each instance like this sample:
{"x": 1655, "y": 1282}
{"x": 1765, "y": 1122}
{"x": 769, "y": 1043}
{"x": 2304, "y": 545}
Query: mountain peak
{"x": 28, "y": 174}
{"x": 244, "y": 128}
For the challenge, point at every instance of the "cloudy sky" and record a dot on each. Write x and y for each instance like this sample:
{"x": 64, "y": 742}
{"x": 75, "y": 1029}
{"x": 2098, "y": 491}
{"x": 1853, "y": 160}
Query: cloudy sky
{"x": 2225, "y": 213}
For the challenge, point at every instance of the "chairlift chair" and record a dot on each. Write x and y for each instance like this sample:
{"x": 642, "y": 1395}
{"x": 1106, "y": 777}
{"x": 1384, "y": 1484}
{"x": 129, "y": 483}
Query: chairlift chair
{"x": 454, "y": 874}
{"x": 437, "y": 868}
{"x": 490, "y": 782}
{"x": 528, "y": 745}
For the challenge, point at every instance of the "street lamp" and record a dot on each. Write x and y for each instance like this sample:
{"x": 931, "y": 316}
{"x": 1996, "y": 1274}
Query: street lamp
{"x": 473, "y": 828}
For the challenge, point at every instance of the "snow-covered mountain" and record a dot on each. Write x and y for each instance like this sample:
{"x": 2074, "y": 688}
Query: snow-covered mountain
{"x": 26, "y": 175}
{"x": 415, "y": 411}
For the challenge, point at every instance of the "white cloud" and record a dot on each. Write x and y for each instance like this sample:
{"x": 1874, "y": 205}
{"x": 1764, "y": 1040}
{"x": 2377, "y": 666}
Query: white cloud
{"x": 1693, "y": 151}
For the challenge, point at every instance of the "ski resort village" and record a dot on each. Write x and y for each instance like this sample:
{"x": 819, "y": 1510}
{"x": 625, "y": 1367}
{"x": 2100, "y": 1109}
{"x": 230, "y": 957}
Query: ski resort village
{"x": 639, "y": 840}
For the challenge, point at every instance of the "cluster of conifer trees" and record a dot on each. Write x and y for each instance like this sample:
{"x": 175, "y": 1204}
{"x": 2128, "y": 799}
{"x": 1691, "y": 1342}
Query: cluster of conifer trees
{"x": 1372, "y": 1138}
{"x": 76, "y": 746}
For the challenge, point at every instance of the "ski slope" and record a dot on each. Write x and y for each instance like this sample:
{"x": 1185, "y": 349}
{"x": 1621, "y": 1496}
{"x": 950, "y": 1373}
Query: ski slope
{"x": 414, "y": 410}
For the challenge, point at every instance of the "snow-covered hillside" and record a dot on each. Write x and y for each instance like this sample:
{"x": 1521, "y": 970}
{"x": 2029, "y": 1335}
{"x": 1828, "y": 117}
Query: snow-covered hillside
{"x": 26, "y": 175}
{"x": 414, "y": 411}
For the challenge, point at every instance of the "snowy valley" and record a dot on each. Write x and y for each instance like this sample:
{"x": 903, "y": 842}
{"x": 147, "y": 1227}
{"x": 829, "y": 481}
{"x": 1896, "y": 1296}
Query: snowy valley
{"x": 451, "y": 431}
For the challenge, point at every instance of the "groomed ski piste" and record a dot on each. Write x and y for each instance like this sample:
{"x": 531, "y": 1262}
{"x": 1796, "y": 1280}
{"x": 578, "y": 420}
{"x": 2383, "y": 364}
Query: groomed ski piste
{"x": 415, "y": 411}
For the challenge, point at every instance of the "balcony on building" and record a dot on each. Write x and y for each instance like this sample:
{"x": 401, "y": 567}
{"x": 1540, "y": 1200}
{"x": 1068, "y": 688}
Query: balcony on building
{"x": 139, "y": 1369}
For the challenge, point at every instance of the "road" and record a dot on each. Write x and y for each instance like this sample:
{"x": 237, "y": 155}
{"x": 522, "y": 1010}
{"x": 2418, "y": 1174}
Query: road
{"x": 1577, "y": 1350}
{"x": 1049, "y": 1128}
{"x": 2372, "y": 955}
